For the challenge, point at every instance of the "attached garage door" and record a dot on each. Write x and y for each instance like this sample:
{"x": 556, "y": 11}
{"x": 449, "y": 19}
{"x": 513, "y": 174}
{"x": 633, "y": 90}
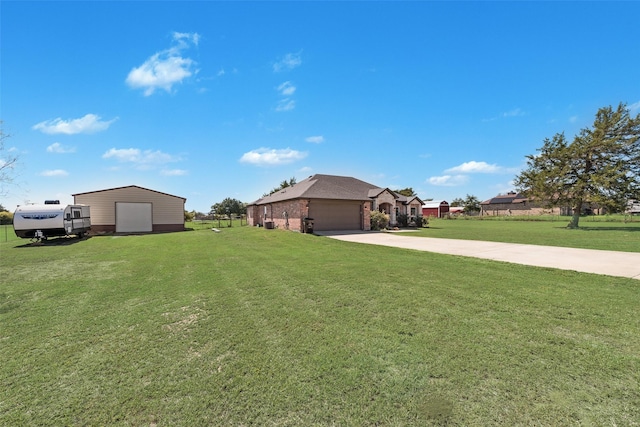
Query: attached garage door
{"x": 133, "y": 217}
{"x": 335, "y": 215}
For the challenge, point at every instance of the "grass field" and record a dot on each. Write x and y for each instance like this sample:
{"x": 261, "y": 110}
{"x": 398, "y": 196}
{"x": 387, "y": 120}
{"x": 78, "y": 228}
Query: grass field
{"x": 266, "y": 327}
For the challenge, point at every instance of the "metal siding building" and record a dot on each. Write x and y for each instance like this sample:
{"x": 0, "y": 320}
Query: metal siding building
{"x": 435, "y": 209}
{"x": 133, "y": 209}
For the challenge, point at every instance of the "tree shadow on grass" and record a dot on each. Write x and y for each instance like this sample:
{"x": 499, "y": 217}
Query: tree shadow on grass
{"x": 583, "y": 228}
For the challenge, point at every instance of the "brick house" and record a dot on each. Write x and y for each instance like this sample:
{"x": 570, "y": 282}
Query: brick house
{"x": 330, "y": 202}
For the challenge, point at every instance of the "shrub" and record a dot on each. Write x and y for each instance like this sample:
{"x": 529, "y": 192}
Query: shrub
{"x": 379, "y": 220}
{"x": 6, "y": 218}
{"x": 421, "y": 221}
{"x": 403, "y": 220}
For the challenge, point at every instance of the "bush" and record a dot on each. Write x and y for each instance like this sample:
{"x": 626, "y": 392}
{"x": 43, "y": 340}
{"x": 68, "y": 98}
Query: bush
{"x": 379, "y": 220}
{"x": 403, "y": 220}
{"x": 6, "y": 218}
{"x": 421, "y": 221}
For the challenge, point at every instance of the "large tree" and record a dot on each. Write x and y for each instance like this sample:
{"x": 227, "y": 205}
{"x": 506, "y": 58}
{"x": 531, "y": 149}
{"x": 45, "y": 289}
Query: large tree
{"x": 470, "y": 203}
{"x": 601, "y": 165}
{"x": 284, "y": 184}
{"x": 408, "y": 192}
{"x": 234, "y": 206}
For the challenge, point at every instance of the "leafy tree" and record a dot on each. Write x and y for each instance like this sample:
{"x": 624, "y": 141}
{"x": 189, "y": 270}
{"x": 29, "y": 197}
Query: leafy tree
{"x": 188, "y": 216}
{"x": 470, "y": 203}
{"x": 8, "y": 162}
{"x": 3, "y": 209}
{"x": 601, "y": 165}
{"x": 284, "y": 184}
{"x": 408, "y": 192}
{"x": 235, "y": 207}
{"x": 457, "y": 202}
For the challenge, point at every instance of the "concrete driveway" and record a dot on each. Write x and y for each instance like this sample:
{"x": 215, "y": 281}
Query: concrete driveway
{"x": 611, "y": 263}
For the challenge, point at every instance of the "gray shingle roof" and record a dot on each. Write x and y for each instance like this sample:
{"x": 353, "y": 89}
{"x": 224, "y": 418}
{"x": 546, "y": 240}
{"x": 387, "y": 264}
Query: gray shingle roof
{"x": 322, "y": 187}
{"x": 328, "y": 187}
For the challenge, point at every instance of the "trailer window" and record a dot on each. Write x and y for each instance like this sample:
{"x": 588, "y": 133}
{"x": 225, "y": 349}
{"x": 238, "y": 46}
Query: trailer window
{"x": 76, "y": 214}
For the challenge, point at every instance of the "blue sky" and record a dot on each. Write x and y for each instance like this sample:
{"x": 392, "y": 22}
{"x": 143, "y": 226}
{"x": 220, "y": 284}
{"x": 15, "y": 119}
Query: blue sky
{"x": 207, "y": 100}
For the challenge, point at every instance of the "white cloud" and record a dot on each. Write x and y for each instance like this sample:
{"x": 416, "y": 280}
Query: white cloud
{"x": 573, "y": 119}
{"x": 268, "y": 156}
{"x": 140, "y": 157}
{"x": 289, "y": 62}
{"x": 286, "y": 104}
{"x": 54, "y": 173}
{"x": 315, "y": 139}
{"x": 516, "y": 112}
{"x": 448, "y": 180}
{"x": 286, "y": 89}
{"x": 634, "y": 107}
{"x": 56, "y": 147}
{"x": 166, "y": 68}
{"x": 513, "y": 113}
{"x": 90, "y": 123}
{"x": 474, "y": 167}
{"x": 173, "y": 172}
{"x": 185, "y": 38}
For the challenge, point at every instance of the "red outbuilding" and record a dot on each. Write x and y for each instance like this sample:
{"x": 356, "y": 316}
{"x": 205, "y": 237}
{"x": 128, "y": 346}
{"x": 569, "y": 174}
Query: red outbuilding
{"x": 435, "y": 209}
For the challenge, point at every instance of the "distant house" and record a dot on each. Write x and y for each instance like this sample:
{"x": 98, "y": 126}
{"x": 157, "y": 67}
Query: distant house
{"x": 133, "y": 209}
{"x": 330, "y": 202}
{"x": 435, "y": 209}
{"x": 514, "y": 203}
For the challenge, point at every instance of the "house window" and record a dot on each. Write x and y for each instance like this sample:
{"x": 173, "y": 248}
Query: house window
{"x": 413, "y": 211}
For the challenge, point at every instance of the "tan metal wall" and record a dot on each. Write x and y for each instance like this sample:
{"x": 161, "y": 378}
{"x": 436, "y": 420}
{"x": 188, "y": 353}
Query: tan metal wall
{"x": 167, "y": 209}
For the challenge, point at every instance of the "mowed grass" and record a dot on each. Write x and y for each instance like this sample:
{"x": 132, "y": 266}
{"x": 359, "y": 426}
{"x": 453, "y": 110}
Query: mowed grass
{"x": 594, "y": 233}
{"x": 274, "y": 328}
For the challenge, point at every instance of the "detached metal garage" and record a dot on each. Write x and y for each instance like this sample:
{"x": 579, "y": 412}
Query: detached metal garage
{"x": 133, "y": 209}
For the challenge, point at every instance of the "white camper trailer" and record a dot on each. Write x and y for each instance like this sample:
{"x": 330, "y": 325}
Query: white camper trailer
{"x": 51, "y": 219}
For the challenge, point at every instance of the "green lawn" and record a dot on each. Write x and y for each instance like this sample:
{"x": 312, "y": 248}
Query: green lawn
{"x": 267, "y": 327}
{"x": 605, "y": 233}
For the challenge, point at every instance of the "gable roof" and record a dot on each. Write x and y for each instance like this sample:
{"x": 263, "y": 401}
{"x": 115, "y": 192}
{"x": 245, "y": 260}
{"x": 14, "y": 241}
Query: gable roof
{"x": 333, "y": 187}
{"x": 129, "y": 186}
{"x": 432, "y": 204}
{"x": 407, "y": 200}
{"x": 322, "y": 187}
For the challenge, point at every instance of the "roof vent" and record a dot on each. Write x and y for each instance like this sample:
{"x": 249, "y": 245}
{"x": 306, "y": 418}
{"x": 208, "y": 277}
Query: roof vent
{"x": 52, "y": 202}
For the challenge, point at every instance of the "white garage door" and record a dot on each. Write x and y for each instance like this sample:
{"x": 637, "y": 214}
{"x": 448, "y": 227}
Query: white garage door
{"x": 335, "y": 215}
{"x": 133, "y": 217}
